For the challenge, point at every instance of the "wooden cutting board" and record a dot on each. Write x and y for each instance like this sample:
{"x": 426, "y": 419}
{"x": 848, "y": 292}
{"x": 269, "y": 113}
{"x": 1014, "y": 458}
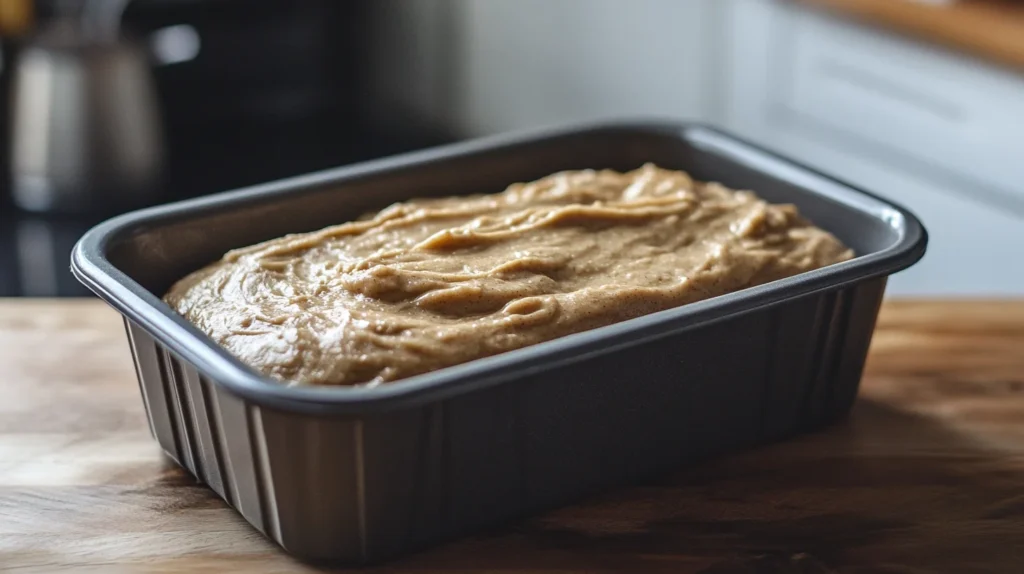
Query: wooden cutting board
{"x": 927, "y": 475}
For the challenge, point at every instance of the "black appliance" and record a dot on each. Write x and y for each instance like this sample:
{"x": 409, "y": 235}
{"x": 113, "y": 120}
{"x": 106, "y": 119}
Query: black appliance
{"x": 249, "y": 90}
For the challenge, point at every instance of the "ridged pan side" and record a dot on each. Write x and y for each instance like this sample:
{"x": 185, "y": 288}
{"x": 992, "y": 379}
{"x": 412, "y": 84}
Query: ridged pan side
{"x": 207, "y": 431}
{"x": 816, "y": 356}
{"x": 297, "y": 479}
{"x": 357, "y": 489}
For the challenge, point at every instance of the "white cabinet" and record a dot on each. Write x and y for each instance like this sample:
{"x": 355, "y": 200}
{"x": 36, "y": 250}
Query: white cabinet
{"x": 935, "y": 131}
{"x": 913, "y": 105}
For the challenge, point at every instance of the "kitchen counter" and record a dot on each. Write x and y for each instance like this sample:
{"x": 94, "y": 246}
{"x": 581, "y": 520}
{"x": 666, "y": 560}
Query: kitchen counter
{"x": 990, "y": 29}
{"x": 926, "y": 475}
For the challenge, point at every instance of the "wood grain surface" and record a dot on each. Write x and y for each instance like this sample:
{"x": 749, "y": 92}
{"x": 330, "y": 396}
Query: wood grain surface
{"x": 927, "y": 475}
{"x": 990, "y": 29}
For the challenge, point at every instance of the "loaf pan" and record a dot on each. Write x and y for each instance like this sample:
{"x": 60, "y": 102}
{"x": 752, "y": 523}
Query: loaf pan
{"x": 359, "y": 475}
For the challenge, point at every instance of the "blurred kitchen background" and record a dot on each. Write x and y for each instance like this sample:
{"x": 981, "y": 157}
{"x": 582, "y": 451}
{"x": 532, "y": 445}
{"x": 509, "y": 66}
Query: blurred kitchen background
{"x": 110, "y": 105}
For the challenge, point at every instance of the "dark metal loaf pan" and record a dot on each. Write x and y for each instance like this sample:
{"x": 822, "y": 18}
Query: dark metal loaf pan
{"x": 357, "y": 475}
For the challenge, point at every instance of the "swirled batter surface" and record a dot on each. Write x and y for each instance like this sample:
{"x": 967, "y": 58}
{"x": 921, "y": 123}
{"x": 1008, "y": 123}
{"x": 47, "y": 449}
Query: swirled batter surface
{"x": 430, "y": 283}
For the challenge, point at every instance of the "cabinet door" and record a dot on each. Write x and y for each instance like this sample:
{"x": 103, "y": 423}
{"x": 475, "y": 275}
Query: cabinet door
{"x": 909, "y": 104}
{"x": 975, "y": 229}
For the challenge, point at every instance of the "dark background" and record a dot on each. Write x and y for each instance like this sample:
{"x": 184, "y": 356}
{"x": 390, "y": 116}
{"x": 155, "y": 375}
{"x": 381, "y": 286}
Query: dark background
{"x": 278, "y": 88}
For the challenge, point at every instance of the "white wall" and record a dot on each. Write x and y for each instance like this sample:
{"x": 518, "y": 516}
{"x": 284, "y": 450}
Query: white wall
{"x": 485, "y": 66}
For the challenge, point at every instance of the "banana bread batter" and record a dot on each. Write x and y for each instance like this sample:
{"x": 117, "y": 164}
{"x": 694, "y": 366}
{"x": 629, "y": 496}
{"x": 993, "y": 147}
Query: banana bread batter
{"x": 430, "y": 283}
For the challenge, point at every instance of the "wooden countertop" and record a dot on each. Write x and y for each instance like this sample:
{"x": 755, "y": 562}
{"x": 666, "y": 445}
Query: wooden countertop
{"x": 990, "y": 29}
{"x": 927, "y": 475}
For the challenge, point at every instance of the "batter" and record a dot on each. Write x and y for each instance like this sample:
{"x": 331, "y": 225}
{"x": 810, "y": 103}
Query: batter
{"x": 430, "y": 283}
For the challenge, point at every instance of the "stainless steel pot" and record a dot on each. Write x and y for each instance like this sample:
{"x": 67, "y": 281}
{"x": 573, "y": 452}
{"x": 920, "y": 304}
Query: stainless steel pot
{"x": 86, "y": 133}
